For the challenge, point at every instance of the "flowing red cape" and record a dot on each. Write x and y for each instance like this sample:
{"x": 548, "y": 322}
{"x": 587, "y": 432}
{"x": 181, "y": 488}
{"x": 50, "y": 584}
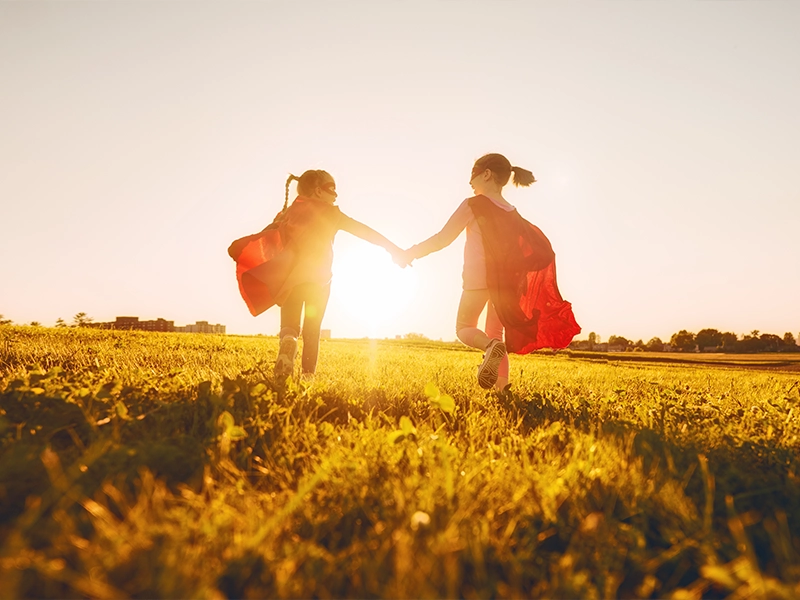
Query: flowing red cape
{"x": 521, "y": 276}
{"x": 263, "y": 264}
{"x": 297, "y": 244}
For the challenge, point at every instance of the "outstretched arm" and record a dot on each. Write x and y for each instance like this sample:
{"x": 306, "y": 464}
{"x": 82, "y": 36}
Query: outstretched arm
{"x": 368, "y": 234}
{"x": 451, "y": 230}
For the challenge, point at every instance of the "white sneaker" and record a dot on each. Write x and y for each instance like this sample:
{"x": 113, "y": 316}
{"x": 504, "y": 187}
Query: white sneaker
{"x": 487, "y": 372}
{"x": 284, "y": 364}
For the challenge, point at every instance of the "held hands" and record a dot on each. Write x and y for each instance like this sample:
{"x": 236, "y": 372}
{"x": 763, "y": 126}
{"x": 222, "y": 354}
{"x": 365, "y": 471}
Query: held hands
{"x": 402, "y": 258}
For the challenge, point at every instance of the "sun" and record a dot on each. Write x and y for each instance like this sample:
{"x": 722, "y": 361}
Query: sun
{"x": 370, "y": 287}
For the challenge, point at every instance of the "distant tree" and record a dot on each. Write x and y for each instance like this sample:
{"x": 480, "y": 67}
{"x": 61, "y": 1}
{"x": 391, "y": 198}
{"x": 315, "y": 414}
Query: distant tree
{"x": 788, "y": 340}
{"x": 618, "y": 340}
{"x": 728, "y": 341}
{"x": 708, "y": 338}
{"x": 81, "y": 320}
{"x": 655, "y": 345}
{"x": 60, "y": 322}
{"x": 35, "y": 324}
{"x": 415, "y": 336}
{"x": 751, "y": 342}
{"x": 5, "y": 321}
{"x": 770, "y": 342}
{"x": 640, "y": 345}
{"x": 593, "y": 340}
{"x": 683, "y": 341}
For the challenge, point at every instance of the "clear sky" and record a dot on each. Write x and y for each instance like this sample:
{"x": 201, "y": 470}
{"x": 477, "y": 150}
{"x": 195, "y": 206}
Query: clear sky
{"x": 138, "y": 139}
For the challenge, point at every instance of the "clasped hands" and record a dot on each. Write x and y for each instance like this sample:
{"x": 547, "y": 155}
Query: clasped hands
{"x": 402, "y": 258}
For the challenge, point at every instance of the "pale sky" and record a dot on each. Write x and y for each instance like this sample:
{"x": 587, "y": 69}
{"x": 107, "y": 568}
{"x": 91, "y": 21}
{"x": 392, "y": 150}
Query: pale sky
{"x": 138, "y": 139}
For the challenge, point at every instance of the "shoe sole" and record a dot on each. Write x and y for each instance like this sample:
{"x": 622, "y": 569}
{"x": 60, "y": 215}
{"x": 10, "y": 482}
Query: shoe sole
{"x": 487, "y": 372}
{"x": 283, "y": 367}
{"x": 284, "y": 364}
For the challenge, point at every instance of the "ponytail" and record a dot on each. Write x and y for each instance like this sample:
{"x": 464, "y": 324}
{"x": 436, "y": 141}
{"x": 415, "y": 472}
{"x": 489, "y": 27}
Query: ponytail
{"x": 522, "y": 177}
{"x": 501, "y": 170}
{"x": 288, "y": 181}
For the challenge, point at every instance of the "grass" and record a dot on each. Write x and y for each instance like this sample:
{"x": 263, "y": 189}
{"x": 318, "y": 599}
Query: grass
{"x": 152, "y": 465}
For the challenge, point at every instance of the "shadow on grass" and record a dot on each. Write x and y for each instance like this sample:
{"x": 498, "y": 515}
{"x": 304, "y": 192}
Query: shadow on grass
{"x": 758, "y": 480}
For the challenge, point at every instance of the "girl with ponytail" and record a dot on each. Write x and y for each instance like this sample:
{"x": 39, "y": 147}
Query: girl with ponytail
{"x": 289, "y": 264}
{"x": 509, "y": 265}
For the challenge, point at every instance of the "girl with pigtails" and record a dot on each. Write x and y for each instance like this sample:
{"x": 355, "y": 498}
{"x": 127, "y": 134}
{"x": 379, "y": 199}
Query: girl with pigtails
{"x": 509, "y": 265}
{"x": 289, "y": 264}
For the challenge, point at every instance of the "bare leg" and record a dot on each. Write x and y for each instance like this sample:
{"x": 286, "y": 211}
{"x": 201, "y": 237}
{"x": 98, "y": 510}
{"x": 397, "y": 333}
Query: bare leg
{"x": 493, "y": 372}
{"x": 469, "y": 309}
{"x": 494, "y": 329}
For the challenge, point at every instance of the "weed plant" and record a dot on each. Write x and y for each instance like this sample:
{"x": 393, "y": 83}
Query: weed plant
{"x": 170, "y": 465}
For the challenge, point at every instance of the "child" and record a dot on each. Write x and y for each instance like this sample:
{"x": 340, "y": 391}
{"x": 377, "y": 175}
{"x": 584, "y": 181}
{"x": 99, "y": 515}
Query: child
{"x": 289, "y": 264}
{"x": 509, "y": 264}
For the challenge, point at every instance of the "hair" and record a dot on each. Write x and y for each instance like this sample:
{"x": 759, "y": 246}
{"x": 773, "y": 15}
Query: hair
{"x": 306, "y": 183}
{"x": 501, "y": 170}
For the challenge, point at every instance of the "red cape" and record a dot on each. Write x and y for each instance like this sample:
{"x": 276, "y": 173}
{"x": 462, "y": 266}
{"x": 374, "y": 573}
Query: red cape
{"x": 295, "y": 247}
{"x": 261, "y": 267}
{"x": 521, "y": 276}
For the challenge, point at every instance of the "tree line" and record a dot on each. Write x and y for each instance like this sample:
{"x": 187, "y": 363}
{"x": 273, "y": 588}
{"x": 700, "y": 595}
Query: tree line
{"x": 704, "y": 340}
{"x": 682, "y": 341}
{"x": 79, "y": 320}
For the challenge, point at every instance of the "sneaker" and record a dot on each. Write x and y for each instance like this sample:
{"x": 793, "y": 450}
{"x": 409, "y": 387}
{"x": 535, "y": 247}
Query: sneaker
{"x": 487, "y": 372}
{"x": 284, "y": 364}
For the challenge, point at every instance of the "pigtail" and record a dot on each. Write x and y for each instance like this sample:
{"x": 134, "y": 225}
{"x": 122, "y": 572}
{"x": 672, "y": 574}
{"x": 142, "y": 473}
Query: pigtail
{"x": 522, "y": 177}
{"x": 288, "y": 181}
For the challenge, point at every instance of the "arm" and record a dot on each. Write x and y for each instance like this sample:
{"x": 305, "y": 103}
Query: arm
{"x": 368, "y": 234}
{"x": 451, "y": 230}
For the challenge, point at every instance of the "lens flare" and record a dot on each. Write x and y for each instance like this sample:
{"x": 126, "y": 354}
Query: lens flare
{"x": 370, "y": 287}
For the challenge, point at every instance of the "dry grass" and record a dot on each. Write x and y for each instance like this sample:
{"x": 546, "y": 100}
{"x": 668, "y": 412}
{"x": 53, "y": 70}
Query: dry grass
{"x": 152, "y": 465}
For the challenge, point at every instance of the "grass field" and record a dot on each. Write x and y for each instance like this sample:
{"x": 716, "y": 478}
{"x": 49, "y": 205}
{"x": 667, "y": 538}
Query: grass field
{"x": 167, "y": 465}
{"x": 784, "y": 361}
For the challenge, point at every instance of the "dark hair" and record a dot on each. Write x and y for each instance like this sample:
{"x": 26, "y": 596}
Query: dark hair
{"x": 305, "y": 183}
{"x": 501, "y": 170}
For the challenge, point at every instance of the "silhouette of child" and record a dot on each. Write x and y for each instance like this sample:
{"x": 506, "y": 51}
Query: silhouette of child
{"x": 509, "y": 264}
{"x": 289, "y": 264}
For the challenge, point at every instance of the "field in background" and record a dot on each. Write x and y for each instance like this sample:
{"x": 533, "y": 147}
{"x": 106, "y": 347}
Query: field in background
{"x": 153, "y": 465}
{"x": 781, "y": 361}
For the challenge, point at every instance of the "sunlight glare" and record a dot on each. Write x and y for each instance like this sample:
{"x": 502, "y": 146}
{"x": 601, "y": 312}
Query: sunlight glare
{"x": 370, "y": 287}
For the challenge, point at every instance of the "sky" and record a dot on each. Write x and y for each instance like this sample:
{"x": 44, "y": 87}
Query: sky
{"x": 139, "y": 139}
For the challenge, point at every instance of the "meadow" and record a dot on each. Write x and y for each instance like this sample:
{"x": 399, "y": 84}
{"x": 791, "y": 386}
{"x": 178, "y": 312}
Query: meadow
{"x": 168, "y": 465}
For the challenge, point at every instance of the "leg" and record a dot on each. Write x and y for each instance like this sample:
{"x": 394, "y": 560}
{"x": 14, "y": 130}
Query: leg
{"x": 469, "y": 309}
{"x": 290, "y": 313}
{"x": 494, "y": 329}
{"x": 316, "y": 303}
{"x": 472, "y": 303}
{"x": 290, "y": 328}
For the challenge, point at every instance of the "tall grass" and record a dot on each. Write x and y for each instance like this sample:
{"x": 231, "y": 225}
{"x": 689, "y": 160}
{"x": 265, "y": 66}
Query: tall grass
{"x": 153, "y": 465}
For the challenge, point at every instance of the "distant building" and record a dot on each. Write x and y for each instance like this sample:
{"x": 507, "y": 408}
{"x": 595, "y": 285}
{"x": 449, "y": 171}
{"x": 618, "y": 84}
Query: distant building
{"x": 133, "y": 323}
{"x": 201, "y": 327}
